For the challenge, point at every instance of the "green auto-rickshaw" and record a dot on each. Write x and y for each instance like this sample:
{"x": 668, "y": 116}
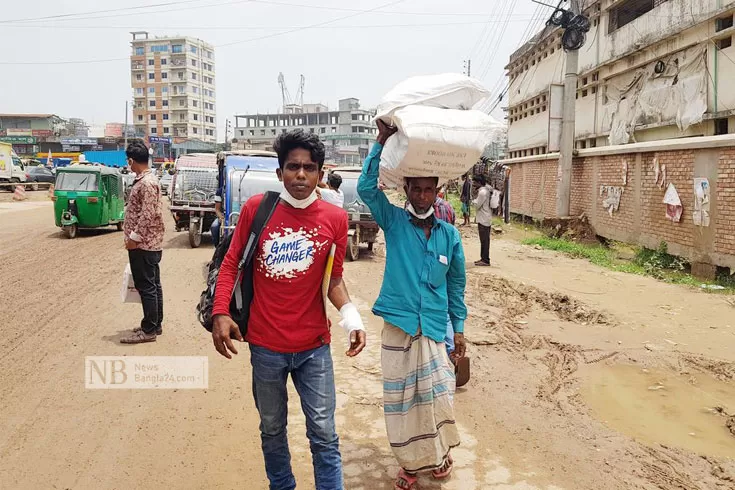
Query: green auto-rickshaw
{"x": 88, "y": 196}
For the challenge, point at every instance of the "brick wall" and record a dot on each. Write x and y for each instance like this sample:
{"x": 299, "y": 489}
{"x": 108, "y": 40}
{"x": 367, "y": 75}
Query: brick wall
{"x": 641, "y": 217}
{"x": 725, "y": 240}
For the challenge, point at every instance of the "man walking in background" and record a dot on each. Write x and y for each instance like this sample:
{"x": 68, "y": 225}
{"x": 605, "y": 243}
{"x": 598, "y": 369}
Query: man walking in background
{"x": 484, "y": 219}
{"x": 465, "y": 198}
{"x": 330, "y": 191}
{"x": 144, "y": 230}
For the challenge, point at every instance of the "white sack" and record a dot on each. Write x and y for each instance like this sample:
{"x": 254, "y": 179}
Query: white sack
{"x": 446, "y": 91}
{"x": 433, "y": 142}
{"x": 128, "y": 293}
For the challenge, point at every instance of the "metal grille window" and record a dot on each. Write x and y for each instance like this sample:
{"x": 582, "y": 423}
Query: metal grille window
{"x": 630, "y": 10}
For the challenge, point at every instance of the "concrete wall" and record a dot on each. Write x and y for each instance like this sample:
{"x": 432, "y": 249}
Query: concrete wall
{"x": 613, "y": 57}
{"x": 641, "y": 217}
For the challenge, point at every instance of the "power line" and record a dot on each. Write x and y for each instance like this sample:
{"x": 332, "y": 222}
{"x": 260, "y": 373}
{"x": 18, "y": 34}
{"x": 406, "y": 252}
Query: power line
{"x": 60, "y": 16}
{"x": 267, "y": 36}
{"x": 256, "y": 28}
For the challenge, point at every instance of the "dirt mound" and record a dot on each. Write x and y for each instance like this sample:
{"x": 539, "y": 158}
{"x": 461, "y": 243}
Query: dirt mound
{"x": 577, "y": 228}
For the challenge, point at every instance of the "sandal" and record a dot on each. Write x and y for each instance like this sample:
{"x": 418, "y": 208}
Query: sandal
{"x": 445, "y": 470}
{"x": 405, "y": 480}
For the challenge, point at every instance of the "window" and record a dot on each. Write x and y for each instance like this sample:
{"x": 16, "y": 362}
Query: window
{"x": 140, "y": 50}
{"x": 322, "y": 130}
{"x": 721, "y": 126}
{"x": 195, "y": 130}
{"x": 724, "y": 43}
{"x": 153, "y": 117}
{"x": 139, "y": 77}
{"x": 628, "y": 11}
{"x": 723, "y": 23}
{"x": 164, "y": 75}
{"x": 252, "y": 132}
{"x": 151, "y": 62}
{"x": 196, "y": 117}
{"x": 154, "y": 130}
{"x": 182, "y": 103}
{"x": 334, "y": 130}
{"x": 194, "y": 63}
{"x": 159, "y": 48}
{"x": 177, "y": 48}
{"x": 195, "y": 90}
{"x": 262, "y": 132}
{"x": 164, "y": 61}
{"x": 165, "y": 117}
{"x": 139, "y": 91}
{"x": 140, "y": 118}
{"x": 273, "y": 132}
{"x": 151, "y": 76}
{"x": 151, "y": 103}
{"x": 193, "y": 76}
{"x": 195, "y": 103}
{"x": 194, "y": 49}
{"x": 166, "y": 130}
{"x": 165, "y": 103}
{"x": 164, "y": 90}
{"x": 151, "y": 90}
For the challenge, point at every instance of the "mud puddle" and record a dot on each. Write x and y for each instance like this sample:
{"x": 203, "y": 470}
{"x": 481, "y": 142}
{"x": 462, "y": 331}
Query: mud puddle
{"x": 655, "y": 406}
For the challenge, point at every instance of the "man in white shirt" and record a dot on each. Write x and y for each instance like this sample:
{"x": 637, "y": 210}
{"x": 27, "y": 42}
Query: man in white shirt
{"x": 331, "y": 193}
{"x": 484, "y": 219}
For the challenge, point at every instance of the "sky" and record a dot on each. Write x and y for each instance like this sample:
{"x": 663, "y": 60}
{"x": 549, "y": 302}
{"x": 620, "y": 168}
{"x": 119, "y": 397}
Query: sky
{"x": 71, "y": 57}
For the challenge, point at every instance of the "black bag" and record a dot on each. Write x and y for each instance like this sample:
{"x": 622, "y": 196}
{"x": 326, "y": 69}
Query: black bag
{"x": 242, "y": 293}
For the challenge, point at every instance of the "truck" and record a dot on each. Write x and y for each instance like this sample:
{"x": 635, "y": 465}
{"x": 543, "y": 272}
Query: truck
{"x": 109, "y": 158}
{"x": 11, "y": 168}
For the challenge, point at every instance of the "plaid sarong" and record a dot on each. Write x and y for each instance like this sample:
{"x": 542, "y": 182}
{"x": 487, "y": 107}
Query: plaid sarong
{"x": 418, "y": 386}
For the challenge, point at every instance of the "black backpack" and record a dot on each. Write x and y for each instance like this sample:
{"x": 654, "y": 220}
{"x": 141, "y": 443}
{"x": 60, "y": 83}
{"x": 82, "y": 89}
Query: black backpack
{"x": 242, "y": 293}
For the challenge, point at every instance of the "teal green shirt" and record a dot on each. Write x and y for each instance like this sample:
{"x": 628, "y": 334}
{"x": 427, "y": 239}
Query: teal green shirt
{"x": 423, "y": 278}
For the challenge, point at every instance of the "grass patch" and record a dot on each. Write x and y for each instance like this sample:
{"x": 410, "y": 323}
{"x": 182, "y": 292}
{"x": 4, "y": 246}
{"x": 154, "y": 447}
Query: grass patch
{"x": 656, "y": 263}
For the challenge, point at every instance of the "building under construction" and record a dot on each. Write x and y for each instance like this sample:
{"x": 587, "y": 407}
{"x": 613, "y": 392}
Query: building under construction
{"x": 347, "y": 132}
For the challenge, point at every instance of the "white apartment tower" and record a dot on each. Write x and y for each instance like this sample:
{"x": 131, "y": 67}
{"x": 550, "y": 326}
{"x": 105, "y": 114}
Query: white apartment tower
{"x": 173, "y": 82}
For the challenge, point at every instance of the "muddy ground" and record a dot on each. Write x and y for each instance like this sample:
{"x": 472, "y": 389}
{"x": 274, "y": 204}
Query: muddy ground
{"x": 541, "y": 326}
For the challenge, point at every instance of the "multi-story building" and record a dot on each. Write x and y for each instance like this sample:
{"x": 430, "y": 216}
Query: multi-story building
{"x": 347, "y": 132}
{"x": 649, "y": 70}
{"x": 173, "y": 80}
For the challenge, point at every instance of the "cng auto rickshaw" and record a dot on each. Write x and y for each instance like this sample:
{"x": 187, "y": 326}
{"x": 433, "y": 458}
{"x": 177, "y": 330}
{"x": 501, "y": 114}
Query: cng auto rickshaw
{"x": 88, "y": 196}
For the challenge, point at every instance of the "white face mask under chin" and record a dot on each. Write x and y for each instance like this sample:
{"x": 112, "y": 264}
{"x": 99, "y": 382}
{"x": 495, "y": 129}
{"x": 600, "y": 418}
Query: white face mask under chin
{"x": 299, "y": 203}
{"x": 413, "y": 212}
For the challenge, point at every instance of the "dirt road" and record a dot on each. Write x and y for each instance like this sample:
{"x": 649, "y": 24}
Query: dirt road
{"x": 544, "y": 330}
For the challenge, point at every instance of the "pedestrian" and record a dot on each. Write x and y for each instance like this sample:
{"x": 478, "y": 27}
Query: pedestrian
{"x": 444, "y": 211}
{"x": 424, "y": 280}
{"x": 484, "y": 219}
{"x": 288, "y": 330}
{"x": 466, "y": 198}
{"x": 330, "y": 191}
{"x": 144, "y": 228}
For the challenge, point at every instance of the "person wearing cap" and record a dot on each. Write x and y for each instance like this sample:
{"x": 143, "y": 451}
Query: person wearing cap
{"x": 424, "y": 281}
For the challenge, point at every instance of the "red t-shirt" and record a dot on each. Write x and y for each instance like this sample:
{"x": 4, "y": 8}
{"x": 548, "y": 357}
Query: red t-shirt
{"x": 287, "y": 313}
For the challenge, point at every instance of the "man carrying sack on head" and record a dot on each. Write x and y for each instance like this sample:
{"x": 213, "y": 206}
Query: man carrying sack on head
{"x": 424, "y": 280}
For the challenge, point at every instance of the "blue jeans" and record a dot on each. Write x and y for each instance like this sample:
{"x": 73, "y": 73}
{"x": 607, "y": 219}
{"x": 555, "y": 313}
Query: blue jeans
{"x": 449, "y": 337}
{"x": 214, "y": 229}
{"x": 313, "y": 377}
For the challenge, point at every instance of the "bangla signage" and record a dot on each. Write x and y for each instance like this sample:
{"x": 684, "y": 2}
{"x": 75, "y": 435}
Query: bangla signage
{"x": 19, "y": 140}
{"x": 158, "y": 139}
{"x": 43, "y": 133}
{"x": 18, "y": 132}
{"x": 78, "y": 141}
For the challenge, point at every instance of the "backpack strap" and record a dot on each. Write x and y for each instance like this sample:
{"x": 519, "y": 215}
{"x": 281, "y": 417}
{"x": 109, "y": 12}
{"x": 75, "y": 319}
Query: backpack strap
{"x": 261, "y": 218}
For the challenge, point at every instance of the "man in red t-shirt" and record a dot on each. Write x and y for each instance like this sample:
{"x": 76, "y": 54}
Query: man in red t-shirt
{"x": 288, "y": 330}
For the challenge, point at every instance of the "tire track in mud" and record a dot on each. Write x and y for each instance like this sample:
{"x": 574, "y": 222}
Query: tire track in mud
{"x": 658, "y": 467}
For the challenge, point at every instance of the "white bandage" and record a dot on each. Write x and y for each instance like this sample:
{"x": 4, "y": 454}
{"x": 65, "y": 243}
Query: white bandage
{"x": 351, "y": 319}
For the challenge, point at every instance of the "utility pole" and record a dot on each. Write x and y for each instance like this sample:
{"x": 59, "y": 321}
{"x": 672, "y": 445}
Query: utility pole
{"x": 566, "y": 148}
{"x": 125, "y": 128}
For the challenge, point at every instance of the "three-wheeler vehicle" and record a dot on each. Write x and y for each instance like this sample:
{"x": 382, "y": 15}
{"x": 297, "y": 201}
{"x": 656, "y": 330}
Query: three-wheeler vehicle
{"x": 88, "y": 196}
